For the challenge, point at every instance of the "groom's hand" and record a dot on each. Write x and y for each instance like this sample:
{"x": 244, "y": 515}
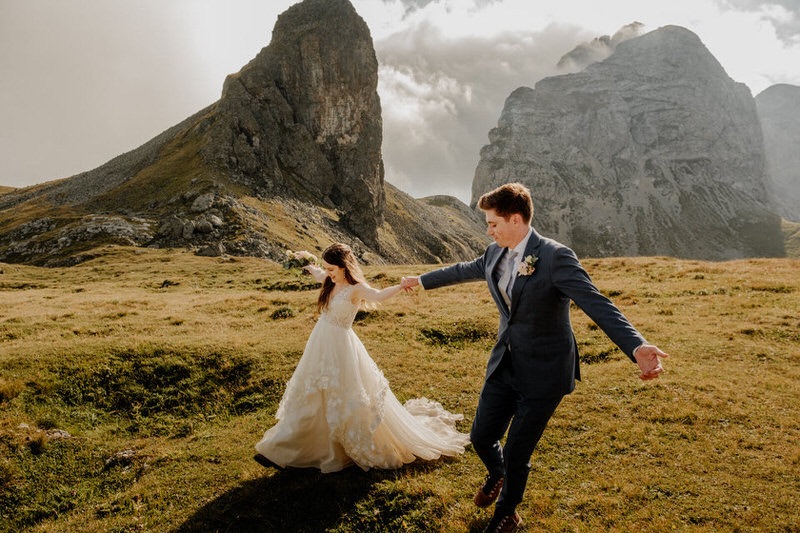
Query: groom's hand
{"x": 648, "y": 357}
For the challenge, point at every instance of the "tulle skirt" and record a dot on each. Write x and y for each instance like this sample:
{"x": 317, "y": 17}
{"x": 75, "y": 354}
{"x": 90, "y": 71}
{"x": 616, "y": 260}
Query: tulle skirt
{"x": 338, "y": 410}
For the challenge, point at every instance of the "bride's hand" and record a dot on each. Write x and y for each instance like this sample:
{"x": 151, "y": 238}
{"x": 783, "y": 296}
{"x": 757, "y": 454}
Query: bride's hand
{"x": 316, "y": 272}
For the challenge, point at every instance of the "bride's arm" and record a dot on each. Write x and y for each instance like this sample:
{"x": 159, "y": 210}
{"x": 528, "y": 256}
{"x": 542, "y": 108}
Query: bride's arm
{"x": 364, "y": 292}
{"x": 316, "y": 272}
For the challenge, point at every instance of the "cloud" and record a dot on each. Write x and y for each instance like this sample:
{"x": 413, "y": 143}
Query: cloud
{"x": 598, "y": 48}
{"x": 441, "y": 95}
{"x": 410, "y": 6}
{"x": 783, "y": 15}
{"x": 747, "y": 44}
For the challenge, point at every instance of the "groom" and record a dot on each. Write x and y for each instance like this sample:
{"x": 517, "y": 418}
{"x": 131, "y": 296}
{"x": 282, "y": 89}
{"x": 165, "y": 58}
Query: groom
{"x": 535, "y": 360}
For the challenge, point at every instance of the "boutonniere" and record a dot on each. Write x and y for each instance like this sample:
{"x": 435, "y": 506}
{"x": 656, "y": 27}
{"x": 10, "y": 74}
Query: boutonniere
{"x": 527, "y": 266}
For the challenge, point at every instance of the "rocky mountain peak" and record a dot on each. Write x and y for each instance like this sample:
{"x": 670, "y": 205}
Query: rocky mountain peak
{"x": 667, "y": 50}
{"x": 653, "y": 151}
{"x": 306, "y": 112}
{"x": 597, "y": 49}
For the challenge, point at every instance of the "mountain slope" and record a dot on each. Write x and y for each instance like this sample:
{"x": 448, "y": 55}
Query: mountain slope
{"x": 290, "y": 156}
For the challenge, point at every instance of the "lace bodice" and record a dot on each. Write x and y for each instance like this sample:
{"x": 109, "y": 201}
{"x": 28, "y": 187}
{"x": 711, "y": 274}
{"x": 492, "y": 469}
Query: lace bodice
{"x": 341, "y": 311}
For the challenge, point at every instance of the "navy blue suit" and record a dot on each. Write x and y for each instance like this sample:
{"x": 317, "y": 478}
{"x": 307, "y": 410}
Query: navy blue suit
{"x": 535, "y": 360}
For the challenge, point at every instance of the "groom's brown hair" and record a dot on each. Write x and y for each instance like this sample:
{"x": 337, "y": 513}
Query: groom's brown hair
{"x": 509, "y": 199}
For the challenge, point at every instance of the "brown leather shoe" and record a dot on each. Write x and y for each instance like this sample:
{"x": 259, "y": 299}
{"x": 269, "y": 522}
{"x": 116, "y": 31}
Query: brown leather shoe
{"x": 489, "y": 492}
{"x": 504, "y": 524}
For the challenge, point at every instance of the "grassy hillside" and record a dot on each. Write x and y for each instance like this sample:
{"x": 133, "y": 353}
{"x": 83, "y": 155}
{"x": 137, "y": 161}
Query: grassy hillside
{"x": 134, "y": 386}
{"x": 4, "y": 189}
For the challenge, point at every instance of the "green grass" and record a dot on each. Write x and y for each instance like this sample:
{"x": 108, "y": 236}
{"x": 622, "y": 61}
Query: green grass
{"x": 165, "y": 368}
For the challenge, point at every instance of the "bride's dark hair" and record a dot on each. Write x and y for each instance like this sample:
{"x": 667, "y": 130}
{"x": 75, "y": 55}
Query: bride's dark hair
{"x": 339, "y": 255}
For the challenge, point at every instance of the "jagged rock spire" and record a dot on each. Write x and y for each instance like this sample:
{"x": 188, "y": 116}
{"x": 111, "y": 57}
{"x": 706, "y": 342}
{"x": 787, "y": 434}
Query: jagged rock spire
{"x": 306, "y": 113}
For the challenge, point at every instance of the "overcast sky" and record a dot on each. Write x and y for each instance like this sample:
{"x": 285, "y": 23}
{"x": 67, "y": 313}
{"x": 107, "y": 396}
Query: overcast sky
{"x": 82, "y": 81}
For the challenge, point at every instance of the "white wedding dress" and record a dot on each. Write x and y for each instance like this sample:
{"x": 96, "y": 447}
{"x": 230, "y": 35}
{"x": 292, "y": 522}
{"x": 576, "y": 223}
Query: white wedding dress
{"x": 338, "y": 408}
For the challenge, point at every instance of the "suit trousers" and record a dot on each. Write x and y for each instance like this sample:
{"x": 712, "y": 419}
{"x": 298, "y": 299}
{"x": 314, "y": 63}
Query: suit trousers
{"x": 503, "y": 402}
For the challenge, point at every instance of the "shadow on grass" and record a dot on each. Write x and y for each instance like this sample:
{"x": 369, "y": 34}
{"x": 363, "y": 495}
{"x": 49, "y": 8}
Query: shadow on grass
{"x": 299, "y": 500}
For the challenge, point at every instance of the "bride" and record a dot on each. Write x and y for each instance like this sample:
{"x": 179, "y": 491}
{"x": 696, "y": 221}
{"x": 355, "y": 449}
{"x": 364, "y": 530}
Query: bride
{"x": 338, "y": 409}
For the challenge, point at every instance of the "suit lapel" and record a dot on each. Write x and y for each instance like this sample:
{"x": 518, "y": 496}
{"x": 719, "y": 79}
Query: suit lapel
{"x": 532, "y": 249}
{"x": 491, "y": 279}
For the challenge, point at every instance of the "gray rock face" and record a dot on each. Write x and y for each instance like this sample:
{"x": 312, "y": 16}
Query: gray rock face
{"x": 779, "y": 110}
{"x": 305, "y": 112}
{"x": 40, "y": 241}
{"x": 653, "y": 151}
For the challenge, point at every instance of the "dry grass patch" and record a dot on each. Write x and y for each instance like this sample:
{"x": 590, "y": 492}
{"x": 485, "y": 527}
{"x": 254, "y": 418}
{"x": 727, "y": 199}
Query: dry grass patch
{"x": 162, "y": 370}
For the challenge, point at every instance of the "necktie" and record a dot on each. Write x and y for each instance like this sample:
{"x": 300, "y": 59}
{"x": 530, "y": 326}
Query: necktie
{"x": 507, "y": 279}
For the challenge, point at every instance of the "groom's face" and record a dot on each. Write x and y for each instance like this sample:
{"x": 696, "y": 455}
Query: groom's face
{"x": 505, "y": 232}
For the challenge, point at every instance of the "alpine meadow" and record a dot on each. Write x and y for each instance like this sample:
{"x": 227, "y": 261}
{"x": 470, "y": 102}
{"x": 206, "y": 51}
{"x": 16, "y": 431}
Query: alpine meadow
{"x": 133, "y": 387}
{"x": 148, "y": 327}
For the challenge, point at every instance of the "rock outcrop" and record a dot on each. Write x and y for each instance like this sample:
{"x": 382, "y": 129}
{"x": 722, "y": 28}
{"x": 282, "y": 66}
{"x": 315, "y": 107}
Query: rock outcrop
{"x": 779, "y": 110}
{"x": 653, "y": 151}
{"x": 290, "y": 156}
{"x": 305, "y": 112}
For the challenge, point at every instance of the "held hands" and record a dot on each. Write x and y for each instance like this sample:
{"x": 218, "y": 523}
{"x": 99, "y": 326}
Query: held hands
{"x": 648, "y": 357}
{"x": 408, "y": 283}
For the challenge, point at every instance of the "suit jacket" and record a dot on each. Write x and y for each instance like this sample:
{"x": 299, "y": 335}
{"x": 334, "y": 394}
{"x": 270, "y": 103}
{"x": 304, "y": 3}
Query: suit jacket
{"x": 536, "y": 332}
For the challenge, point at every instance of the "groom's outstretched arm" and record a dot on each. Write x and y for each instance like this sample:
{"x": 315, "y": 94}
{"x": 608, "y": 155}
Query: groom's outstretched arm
{"x": 459, "y": 273}
{"x": 570, "y": 277}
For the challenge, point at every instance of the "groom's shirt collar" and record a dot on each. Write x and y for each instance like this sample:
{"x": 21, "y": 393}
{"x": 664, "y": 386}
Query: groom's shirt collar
{"x": 520, "y": 248}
